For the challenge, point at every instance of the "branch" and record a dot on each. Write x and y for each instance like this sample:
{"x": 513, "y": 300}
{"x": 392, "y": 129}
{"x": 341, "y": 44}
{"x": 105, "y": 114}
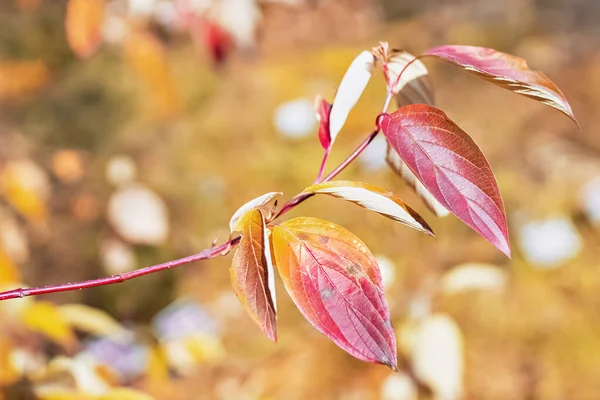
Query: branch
{"x": 204, "y": 255}
{"x": 207, "y": 254}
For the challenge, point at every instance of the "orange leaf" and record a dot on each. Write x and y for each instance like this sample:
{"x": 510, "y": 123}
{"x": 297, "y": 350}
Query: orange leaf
{"x": 335, "y": 282}
{"x": 84, "y": 26}
{"x": 147, "y": 56}
{"x": 252, "y": 273}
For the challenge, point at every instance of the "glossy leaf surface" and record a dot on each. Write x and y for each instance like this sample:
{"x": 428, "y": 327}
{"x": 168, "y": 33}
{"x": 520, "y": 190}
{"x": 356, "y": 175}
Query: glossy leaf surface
{"x": 323, "y": 109}
{"x": 451, "y": 166}
{"x": 335, "y": 282}
{"x": 413, "y": 87}
{"x": 84, "y": 26}
{"x": 351, "y": 88}
{"x": 260, "y": 201}
{"x": 402, "y": 170}
{"x": 507, "y": 71}
{"x": 252, "y": 273}
{"x": 375, "y": 199}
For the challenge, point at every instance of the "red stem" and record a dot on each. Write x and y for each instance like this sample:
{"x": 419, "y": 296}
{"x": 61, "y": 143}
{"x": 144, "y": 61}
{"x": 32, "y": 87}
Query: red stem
{"x": 322, "y": 168}
{"x": 203, "y": 255}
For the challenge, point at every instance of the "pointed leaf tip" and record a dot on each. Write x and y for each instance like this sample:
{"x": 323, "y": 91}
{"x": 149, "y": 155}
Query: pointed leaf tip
{"x": 375, "y": 199}
{"x": 507, "y": 71}
{"x": 335, "y": 282}
{"x": 451, "y": 167}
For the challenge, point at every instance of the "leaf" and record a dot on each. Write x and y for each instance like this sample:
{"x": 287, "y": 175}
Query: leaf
{"x": 84, "y": 26}
{"x": 507, "y": 71}
{"x": 252, "y": 273}
{"x": 375, "y": 199}
{"x": 335, "y": 282}
{"x": 402, "y": 170}
{"x": 351, "y": 88}
{"x": 323, "y": 110}
{"x": 415, "y": 86}
{"x": 44, "y": 317}
{"x": 91, "y": 320}
{"x": 451, "y": 166}
{"x": 260, "y": 201}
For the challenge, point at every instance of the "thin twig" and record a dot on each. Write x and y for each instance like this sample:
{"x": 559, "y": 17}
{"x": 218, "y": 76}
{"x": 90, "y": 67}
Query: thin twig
{"x": 207, "y": 254}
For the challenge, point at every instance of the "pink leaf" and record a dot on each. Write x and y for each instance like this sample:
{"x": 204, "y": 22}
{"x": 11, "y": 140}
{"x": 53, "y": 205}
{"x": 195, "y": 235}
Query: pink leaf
{"x": 335, "y": 282}
{"x": 507, "y": 71}
{"x": 451, "y": 166}
{"x": 323, "y": 109}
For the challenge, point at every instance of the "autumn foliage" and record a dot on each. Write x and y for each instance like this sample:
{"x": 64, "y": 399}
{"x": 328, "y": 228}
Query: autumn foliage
{"x": 329, "y": 273}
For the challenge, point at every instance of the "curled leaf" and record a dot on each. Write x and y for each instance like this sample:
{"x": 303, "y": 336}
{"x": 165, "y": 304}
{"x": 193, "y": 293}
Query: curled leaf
{"x": 254, "y": 203}
{"x": 252, "y": 273}
{"x": 507, "y": 71}
{"x": 351, "y": 88}
{"x": 323, "y": 109}
{"x": 375, "y": 199}
{"x": 450, "y": 166}
{"x": 84, "y": 26}
{"x": 335, "y": 282}
{"x": 414, "y": 85}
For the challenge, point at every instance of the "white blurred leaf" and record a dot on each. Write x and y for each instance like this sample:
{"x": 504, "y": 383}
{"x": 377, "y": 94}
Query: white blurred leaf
{"x": 473, "y": 276}
{"x": 398, "y": 386}
{"x": 551, "y": 242}
{"x": 351, "y": 88}
{"x": 139, "y": 215}
{"x": 437, "y": 356}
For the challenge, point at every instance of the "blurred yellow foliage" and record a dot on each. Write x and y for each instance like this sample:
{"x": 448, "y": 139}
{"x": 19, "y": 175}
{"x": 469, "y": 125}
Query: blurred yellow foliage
{"x": 84, "y": 26}
{"x": 147, "y": 56}
{"x": 19, "y": 79}
{"x": 46, "y": 318}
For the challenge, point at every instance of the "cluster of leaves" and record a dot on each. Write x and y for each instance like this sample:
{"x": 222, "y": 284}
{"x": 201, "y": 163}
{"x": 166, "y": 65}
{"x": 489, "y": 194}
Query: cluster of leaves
{"x": 330, "y": 274}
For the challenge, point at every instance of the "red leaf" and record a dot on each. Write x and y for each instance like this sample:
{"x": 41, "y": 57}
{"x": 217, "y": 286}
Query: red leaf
{"x": 507, "y": 71}
{"x": 323, "y": 109}
{"x": 335, "y": 282}
{"x": 451, "y": 166}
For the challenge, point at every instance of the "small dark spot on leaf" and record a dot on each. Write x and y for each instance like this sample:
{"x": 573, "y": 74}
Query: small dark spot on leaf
{"x": 353, "y": 270}
{"x": 323, "y": 239}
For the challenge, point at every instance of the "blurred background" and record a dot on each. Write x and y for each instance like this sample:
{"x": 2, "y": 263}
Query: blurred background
{"x": 131, "y": 130}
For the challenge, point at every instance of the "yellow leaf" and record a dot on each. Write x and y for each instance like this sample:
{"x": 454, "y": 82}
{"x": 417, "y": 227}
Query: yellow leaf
{"x": 8, "y": 271}
{"x": 90, "y": 320}
{"x": 124, "y": 394}
{"x": 24, "y": 185}
{"x": 84, "y": 26}
{"x": 158, "y": 369}
{"x": 45, "y": 318}
{"x": 147, "y": 56}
